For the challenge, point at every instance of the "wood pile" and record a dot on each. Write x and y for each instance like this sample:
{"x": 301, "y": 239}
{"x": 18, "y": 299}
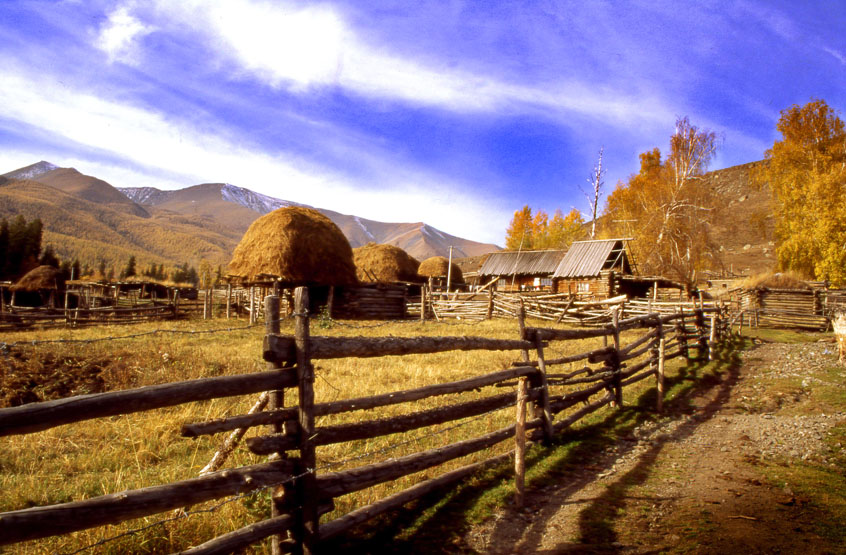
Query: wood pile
{"x": 790, "y": 308}
{"x": 372, "y": 302}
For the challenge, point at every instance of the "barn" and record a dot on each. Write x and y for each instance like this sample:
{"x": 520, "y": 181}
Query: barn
{"x": 521, "y": 270}
{"x": 593, "y": 268}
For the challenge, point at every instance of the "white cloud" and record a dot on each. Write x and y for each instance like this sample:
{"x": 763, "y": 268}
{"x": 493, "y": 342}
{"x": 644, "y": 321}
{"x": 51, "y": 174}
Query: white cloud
{"x": 147, "y": 139}
{"x": 840, "y": 57}
{"x": 120, "y": 34}
{"x": 303, "y": 48}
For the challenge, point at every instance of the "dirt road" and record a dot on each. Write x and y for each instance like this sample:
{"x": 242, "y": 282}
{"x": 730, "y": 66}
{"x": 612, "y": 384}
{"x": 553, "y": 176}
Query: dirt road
{"x": 751, "y": 461}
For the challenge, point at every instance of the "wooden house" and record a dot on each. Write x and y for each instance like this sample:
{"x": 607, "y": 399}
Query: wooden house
{"x": 521, "y": 270}
{"x": 593, "y": 268}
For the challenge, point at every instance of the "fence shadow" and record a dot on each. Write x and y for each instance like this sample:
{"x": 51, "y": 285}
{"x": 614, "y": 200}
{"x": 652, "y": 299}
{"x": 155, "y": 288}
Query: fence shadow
{"x": 437, "y": 523}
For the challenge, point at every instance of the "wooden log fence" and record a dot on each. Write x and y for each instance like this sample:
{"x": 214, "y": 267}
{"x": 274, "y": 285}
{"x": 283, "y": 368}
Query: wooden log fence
{"x": 548, "y": 394}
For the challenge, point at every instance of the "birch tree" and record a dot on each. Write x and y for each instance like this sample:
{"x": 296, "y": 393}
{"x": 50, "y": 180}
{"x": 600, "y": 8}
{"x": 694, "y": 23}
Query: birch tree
{"x": 669, "y": 208}
{"x": 593, "y": 195}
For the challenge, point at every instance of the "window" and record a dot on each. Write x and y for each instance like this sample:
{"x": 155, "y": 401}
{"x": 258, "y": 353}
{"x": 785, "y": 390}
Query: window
{"x": 584, "y": 287}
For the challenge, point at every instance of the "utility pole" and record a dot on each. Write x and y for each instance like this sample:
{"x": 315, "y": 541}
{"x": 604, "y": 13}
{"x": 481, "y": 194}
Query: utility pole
{"x": 449, "y": 269}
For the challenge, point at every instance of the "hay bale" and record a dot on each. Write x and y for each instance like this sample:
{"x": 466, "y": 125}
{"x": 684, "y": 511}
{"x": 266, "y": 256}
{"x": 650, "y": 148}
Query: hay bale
{"x": 42, "y": 278}
{"x": 299, "y": 245}
{"x": 437, "y": 267}
{"x": 384, "y": 264}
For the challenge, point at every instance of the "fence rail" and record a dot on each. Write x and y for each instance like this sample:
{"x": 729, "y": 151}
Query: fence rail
{"x": 556, "y": 396}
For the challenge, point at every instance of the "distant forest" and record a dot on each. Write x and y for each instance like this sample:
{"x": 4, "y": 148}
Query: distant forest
{"x": 21, "y": 251}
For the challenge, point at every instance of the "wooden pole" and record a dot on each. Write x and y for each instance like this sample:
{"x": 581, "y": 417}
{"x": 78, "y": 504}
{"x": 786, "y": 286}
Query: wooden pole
{"x": 228, "y": 300}
{"x": 331, "y": 302}
{"x": 712, "y": 338}
{"x": 520, "y": 443}
{"x": 615, "y": 361}
{"x": 307, "y": 490}
{"x": 423, "y": 303}
{"x": 539, "y": 381}
{"x": 489, "y": 314}
{"x": 660, "y": 375}
{"x": 276, "y": 400}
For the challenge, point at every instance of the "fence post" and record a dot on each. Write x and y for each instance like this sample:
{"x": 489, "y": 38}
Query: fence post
{"x": 681, "y": 332}
{"x": 615, "y": 360}
{"x": 423, "y": 303}
{"x": 489, "y": 315}
{"x": 659, "y": 403}
{"x": 276, "y": 401}
{"x": 701, "y": 340}
{"x": 307, "y": 490}
{"x": 520, "y": 439}
{"x": 712, "y": 337}
{"x": 228, "y": 300}
{"x": 540, "y": 381}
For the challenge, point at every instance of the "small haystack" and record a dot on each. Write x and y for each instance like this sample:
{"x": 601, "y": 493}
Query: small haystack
{"x": 385, "y": 264}
{"x": 299, "y": 245}
{"x": 438, "y": 267}
{"x": 42, "y": 278}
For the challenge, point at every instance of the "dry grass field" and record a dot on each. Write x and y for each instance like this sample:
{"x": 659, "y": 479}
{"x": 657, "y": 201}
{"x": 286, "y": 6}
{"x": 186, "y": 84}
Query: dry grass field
{"x": 88, "y": 459}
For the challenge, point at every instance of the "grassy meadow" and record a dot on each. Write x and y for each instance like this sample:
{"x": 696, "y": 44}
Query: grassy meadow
{"x": 97, "y": 457}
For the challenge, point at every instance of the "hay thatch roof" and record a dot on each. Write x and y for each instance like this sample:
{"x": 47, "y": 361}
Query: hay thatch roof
{"x": 39, "y": 279}
{"x": 384, "y": 264}
{"x": 785, "y": 280}
{"x": 299, "y": 245}
{"x": 437, "y": 266}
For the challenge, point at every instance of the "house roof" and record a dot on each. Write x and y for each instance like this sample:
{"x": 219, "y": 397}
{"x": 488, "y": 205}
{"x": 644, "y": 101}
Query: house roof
{"x": 589, "y": 258}
{"x": 521, "y": 263}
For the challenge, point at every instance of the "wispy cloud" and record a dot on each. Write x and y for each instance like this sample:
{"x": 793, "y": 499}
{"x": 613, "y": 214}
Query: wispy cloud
{"x": 306, "y": 48}
{"x": 120, "y": 34}
{"x": 167, "y": 146}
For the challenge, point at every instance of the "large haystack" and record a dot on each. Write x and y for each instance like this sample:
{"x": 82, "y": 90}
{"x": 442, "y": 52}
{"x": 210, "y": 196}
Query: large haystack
{"x": 437, "y": 267}
{"x": 299, "y": 245}
{"x": 42, "y": 278}
{"x": 385, "y": 264}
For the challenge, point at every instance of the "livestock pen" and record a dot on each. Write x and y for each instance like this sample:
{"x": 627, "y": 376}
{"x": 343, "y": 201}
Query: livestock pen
{"x": 318, "y": 436}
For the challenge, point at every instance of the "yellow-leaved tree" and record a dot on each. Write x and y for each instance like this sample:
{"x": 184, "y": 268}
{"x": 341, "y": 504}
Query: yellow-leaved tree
{"x": 806, "y": 170}
{"x": 539, "y": 232}
{"x": 665, "y": 209}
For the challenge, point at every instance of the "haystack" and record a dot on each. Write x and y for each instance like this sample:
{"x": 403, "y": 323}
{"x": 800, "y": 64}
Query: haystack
{"x": 42, "y": 278}
{"x": 385, "y": 264}
{"x": 438, "y": 267}
{"x": 299, "y": 245}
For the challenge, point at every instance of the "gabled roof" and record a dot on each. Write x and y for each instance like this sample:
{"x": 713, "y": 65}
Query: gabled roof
{"x": 521, "y": 263}
{"x": 589, "y": 258}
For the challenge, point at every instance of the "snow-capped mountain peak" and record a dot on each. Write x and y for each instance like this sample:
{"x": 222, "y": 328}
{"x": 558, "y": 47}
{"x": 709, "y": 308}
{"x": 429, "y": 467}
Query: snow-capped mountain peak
{"x": 262, "y": 204}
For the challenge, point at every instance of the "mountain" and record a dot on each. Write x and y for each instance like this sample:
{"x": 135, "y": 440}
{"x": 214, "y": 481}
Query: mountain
{"x": 744, "y": 224}
{"x": 237, "y": 207}
{"x": 87, "y": 218}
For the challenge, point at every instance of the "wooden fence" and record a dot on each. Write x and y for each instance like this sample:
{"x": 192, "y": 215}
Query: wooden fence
{"x": 556, "y": 395}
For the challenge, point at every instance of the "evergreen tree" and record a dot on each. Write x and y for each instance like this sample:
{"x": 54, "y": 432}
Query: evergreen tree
{"x": 76, "y": 270}
{"x": 101, "y": 269}
{"x": 129, "y": 271}
{"x": 48, "y": 257}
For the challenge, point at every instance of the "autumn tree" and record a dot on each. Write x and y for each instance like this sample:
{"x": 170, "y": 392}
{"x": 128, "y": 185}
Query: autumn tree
{"x": 666, "y": 207}
{"x": 806, "y": 170}
{"x": 519, "y": 232}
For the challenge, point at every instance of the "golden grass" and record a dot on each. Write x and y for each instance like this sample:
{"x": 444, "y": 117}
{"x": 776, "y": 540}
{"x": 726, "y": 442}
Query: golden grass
{"x": 108, "y": 455}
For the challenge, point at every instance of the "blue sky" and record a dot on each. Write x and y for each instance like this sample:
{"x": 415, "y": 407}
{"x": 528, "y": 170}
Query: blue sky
{"x": 456, "y": 113}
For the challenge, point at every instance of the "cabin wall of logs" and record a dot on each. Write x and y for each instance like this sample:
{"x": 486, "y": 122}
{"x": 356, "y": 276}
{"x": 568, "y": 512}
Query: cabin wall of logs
{"x": 540, "y": 395}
